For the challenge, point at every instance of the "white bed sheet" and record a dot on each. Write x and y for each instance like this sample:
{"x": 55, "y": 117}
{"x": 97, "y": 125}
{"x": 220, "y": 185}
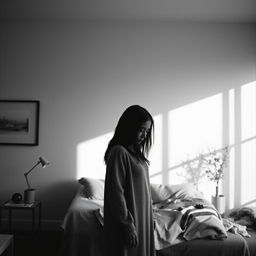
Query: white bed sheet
{"x": 82, "y": 232}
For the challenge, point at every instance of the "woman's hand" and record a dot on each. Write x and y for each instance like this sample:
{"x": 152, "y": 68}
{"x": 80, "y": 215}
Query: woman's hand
{"x": 131, "y": 239}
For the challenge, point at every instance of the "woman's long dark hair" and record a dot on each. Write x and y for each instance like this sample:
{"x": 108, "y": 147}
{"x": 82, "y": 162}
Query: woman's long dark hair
{"x": 126, "y": 131}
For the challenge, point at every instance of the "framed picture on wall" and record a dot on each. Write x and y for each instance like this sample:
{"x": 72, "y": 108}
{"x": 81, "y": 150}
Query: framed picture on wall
{"x": 19, "y": 122}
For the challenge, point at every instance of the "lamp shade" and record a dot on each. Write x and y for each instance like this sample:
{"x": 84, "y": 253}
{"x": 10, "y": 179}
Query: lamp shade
{"x": 43, "y": 162}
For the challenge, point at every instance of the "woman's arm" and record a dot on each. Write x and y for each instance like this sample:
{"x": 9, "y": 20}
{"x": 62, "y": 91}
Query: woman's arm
{"x": 115, "y": 184}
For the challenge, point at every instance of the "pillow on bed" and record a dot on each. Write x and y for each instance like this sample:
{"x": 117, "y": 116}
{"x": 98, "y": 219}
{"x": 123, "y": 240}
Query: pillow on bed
{"x": 93, "y": 188}
{"x": 161, "y": 192}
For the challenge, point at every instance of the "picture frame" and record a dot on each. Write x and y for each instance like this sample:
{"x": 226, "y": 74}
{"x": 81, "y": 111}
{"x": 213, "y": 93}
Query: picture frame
{"x": 19, "y": 122}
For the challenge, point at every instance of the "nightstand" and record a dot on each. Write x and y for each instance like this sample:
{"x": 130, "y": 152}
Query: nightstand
{"x": 33, "y": 207}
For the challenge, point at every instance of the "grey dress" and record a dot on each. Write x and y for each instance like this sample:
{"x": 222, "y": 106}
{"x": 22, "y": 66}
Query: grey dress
{"x": 127, "y": 204}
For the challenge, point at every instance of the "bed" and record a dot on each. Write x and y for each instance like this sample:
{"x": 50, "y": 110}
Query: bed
{"x": 178, "y": 209}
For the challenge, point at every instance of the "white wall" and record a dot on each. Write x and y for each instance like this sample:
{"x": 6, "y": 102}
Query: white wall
{"x": 85, "y": 75}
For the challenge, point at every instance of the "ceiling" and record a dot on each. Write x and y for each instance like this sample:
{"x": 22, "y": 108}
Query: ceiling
{"x": 130, "y": 10}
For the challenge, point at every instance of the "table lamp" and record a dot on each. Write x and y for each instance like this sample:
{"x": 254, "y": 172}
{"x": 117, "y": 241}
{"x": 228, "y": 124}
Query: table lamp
{"x": 29, "y": 193}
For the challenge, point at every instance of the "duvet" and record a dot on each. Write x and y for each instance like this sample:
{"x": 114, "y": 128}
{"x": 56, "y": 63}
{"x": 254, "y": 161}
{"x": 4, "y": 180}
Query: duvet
{"x": 184, "y": 220}
{"x": 178, "y": 224}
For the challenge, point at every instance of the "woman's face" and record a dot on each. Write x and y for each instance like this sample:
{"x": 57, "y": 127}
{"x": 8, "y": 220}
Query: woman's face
{"x": 143, "y": 132}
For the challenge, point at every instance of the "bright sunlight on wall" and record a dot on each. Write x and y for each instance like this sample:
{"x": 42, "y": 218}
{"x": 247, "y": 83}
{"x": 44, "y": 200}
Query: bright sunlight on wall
{"x": 90, "y": 155}
{"x": 248, "y": 143}
{"x": 193, "y": 129}
{"x": 225, "y": 119}
{"x": 156, "y": 153}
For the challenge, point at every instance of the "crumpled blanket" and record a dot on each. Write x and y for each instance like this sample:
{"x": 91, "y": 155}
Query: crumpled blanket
{"x": 235, "y": 228}
{"x": 245, "y": 216}
{"x": 177, "y": 221}
{"x": 182, "y": 220}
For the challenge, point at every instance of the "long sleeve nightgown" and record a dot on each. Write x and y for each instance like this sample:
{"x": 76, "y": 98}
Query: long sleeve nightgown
{"x": 127, "y": 204}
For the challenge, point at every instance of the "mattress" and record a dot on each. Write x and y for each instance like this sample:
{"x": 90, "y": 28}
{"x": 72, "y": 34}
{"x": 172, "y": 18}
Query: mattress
{"x": 251, "y": 241}
{"x": 234, "y": 245}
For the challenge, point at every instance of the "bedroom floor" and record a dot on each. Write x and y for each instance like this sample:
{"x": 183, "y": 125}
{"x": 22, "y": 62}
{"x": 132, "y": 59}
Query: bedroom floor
{"x": 46, "y": 243}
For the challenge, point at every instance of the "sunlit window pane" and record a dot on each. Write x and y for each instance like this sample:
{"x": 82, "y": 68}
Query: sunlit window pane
{"x": 231, "y": 116}
{"x": 230, "y": 202}
{"x": 248, "y": 108}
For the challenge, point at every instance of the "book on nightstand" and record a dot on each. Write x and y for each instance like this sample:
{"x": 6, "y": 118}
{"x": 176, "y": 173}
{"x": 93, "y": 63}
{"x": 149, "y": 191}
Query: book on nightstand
{"x": 21, "y": 204}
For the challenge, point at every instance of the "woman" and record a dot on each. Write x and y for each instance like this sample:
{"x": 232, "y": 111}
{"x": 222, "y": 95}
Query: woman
{"x": 128, "y": 218}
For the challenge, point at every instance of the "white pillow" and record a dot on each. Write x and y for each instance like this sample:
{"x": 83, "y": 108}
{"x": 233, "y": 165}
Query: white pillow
{"x": 161, "y": 192}
{"x": 93, "y": 188}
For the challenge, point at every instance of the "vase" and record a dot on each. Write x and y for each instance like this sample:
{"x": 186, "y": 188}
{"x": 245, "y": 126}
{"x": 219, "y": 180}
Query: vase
{"x": 219, "y": 203}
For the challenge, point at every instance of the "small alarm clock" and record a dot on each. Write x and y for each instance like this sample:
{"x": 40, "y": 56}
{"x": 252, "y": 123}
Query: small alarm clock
{"x": 16, "y": 198}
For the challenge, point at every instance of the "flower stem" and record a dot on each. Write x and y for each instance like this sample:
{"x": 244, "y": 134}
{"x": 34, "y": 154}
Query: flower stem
{"x": 217, "y": 191}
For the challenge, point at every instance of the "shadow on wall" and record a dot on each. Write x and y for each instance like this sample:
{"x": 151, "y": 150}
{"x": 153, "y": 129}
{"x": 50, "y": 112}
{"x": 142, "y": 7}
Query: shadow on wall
{"x": 59, "y": 196}
{"x": 249, "y": 203}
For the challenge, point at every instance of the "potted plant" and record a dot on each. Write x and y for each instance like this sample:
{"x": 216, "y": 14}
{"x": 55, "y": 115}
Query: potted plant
{"x": 193, "y": 172}
{"x": 214, "y": 164}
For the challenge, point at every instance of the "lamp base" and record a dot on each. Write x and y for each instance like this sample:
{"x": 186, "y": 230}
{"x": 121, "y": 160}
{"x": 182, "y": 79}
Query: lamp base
{"x": 29, "y": 196}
